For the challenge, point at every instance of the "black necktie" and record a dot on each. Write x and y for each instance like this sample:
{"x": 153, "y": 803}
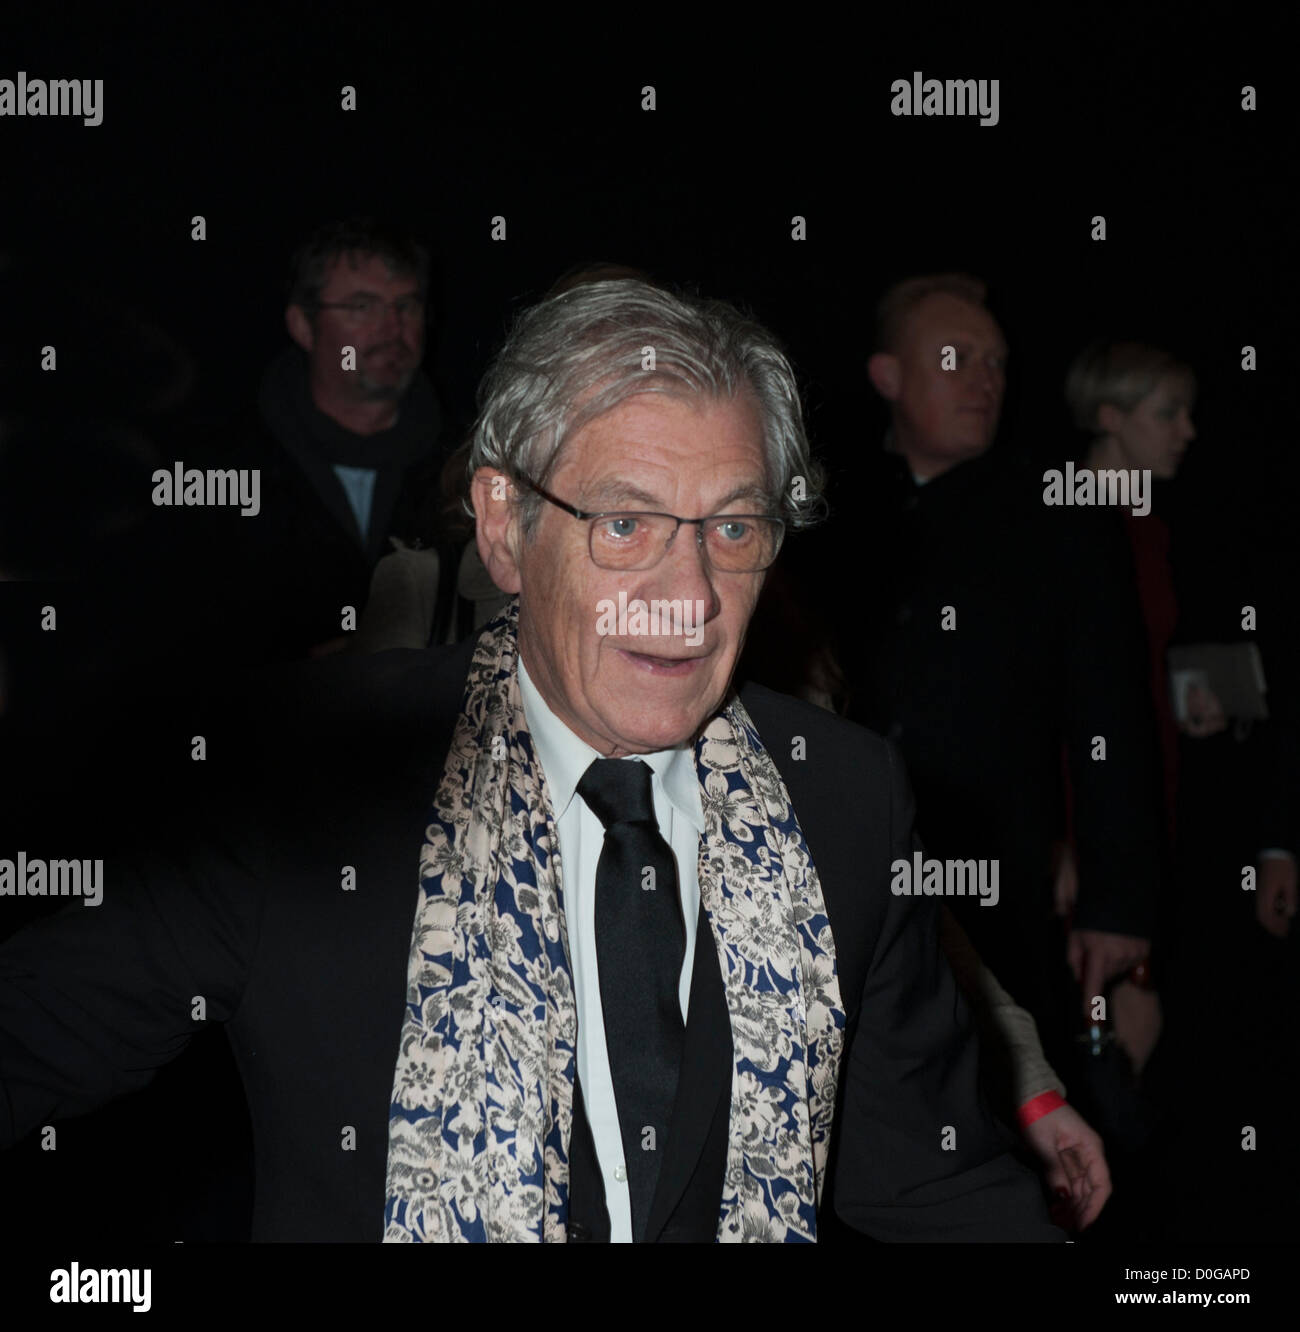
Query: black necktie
{"x": 640, "y": 944}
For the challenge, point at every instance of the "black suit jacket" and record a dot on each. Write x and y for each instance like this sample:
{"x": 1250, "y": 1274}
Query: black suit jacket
{"x": 240, "y": 902}
{"x": 1046, "y": 648}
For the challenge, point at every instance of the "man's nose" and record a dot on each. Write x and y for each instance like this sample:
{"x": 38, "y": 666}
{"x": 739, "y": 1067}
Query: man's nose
{"x": 684, "y": 570}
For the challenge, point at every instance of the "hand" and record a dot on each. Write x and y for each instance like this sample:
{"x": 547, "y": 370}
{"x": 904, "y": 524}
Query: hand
{"x": 1076, "y": 1168}
{"x": 1096, "y": 956}
{"x": 1204, "y": 713}
{"x": 1065, "y": 881}
{"x": 1276, "y": 897}
{"x": 1138, "y": 1021}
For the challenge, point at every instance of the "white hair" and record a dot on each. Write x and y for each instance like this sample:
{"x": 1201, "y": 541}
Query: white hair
{"x": 581, "y": 353}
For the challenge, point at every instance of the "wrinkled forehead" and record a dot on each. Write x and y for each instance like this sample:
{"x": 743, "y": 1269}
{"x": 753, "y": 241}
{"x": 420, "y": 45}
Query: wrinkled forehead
{"x": 674, "y": 425}
{"x": 621, "y": 414}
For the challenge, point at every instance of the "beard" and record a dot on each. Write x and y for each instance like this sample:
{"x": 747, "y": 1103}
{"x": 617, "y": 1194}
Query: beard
{"x": 392, "y": 385}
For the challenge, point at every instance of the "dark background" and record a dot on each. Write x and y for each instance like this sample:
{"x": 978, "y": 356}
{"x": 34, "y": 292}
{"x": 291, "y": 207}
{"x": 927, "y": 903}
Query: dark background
{"x": 1139, "y": 121}
{"x": 1131, "y": 115}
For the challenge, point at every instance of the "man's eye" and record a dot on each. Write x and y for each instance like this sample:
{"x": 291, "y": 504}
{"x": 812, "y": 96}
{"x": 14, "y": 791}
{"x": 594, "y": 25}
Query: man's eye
{"x": 620, "y": 528}
{"x": 734, "y": 530}
{"x": 363, "y": 307}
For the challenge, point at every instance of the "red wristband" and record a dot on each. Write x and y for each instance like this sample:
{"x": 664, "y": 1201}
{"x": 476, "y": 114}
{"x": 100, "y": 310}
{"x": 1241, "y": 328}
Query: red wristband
{"x": 1041, "y": 1105}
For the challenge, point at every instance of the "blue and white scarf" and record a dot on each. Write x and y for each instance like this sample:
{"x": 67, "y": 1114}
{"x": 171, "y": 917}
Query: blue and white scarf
{"x": 482, "y": 1103}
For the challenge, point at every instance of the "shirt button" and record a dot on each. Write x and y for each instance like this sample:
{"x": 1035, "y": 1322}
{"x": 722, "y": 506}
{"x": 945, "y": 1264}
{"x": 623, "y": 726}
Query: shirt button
{"x": 620, "y": 1174}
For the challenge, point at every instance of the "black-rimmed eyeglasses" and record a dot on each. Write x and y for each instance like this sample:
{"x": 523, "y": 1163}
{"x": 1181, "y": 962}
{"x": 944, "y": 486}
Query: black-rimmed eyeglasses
{"x": 629, "y": 540}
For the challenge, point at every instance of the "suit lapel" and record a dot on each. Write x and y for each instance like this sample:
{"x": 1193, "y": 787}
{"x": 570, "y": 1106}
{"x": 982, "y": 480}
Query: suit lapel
{"x": 705, "y": 1076}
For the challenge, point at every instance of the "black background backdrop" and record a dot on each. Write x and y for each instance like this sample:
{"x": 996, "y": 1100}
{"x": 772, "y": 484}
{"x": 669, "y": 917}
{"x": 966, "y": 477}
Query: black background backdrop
{"x": 1124, "y": 113}
{"x": 1133, "y": 116}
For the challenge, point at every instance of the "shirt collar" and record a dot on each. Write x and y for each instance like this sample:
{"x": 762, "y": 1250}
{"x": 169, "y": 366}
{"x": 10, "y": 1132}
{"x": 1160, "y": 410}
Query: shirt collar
{"x": 565, "y": 758}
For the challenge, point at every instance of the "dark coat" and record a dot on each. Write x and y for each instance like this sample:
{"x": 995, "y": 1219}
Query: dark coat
{"x": 1048, "y": 649}
{"x": 273, "y": 586}
{"x": 244, "y": 906}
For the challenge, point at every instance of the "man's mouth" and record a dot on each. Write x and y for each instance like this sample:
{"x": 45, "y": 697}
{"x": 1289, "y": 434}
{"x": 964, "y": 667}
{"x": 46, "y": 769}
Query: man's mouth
{"x": 661, "y": 665}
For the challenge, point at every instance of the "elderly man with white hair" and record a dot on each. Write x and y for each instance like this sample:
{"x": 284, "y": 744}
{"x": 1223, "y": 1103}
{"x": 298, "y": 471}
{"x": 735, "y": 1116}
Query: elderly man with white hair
{"x": 657, "y": 987}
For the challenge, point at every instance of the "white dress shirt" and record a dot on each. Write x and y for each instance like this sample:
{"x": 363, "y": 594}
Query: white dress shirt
{"x": 676, "y": 788}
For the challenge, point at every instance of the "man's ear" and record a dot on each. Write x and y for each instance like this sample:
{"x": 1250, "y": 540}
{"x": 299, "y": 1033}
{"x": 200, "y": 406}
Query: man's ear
{"x": 885, "y": 371}
{"x": 1110, "y": 420}
{"x": 497, "y": 527}
{"x": 299, "y": 326}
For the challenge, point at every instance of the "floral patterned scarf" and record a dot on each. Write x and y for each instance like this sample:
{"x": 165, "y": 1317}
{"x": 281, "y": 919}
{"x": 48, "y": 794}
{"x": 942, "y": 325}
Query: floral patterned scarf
{"x": 482, "y": 1103}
